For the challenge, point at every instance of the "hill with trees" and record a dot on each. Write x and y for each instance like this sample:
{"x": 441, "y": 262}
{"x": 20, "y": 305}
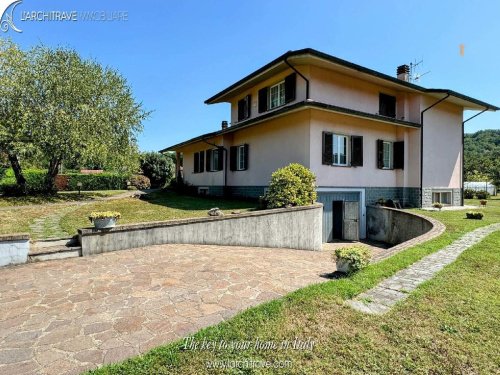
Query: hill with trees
{"x": 482, "y": 156}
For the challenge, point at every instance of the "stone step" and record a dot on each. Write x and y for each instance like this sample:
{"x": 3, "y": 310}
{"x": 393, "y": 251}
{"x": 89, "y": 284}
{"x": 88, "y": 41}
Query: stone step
{"x": 59, "y": 248}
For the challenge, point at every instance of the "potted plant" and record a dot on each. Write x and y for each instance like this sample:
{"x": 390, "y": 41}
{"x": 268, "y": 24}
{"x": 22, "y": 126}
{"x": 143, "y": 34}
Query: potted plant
{"x": 483, "y": 202}
{"x": 105, "y": 219}
{"x": 351, "y": 259}
{"x": 437, "y": 205}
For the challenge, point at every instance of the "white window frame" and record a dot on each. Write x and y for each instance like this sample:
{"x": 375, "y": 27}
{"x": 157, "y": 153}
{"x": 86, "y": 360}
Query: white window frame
{"x": 240, "y": 158}
{"x": 391, "y": 155}
{"x": 213, "y": 164}
{"x": 336, "y": 142}
{"x": 440, "y": 193}
{"x": 280, "y": 91}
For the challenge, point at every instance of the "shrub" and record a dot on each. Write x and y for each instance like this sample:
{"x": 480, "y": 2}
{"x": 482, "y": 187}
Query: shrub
{"x": 101, "y": 181}
{"x": 159, "y": 168}
{"x": 483, "y": 202}
{"x": 437, "y": 205}
{"x": 357, "y": 257}
{"x": 140, "y": 182}
{"x": 482, "y": 194}
{"x": 474, "y": 215}
{"x": 292, "y": 185}
{"x": 469, "y": 194}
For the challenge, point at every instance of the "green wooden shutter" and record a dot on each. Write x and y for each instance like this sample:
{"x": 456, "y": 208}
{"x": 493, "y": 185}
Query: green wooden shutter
{"x": 208, "y": 159}
{"x": 202, "y": 161}
{"x": 232, "y": 158}
{"x": 380, "y": 154}
{"x": 327, "y": 148}
{"x": 290, "y": 87}
{"x": 220, "y": 160}
{"x": 399, "y": 155}
{"x": 241, "y": 109}
{"x": 263, "y": 99}
{"x": 356, "y": 151}
{"x": 196, "y": 162}
{"x": 245, "y": 146}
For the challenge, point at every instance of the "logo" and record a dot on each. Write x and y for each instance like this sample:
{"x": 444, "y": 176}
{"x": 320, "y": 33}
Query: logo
{"x": 7, "y": 20}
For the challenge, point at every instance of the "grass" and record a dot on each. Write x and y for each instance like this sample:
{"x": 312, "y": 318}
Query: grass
{"x": 449, "y": 325}
{"x": 160, "y": 206}
{"x": 60, "y": 197}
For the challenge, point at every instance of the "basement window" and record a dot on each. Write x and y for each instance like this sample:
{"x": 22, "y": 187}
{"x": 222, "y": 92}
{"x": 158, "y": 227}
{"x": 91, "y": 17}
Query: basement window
{"x": 443, "y": 197}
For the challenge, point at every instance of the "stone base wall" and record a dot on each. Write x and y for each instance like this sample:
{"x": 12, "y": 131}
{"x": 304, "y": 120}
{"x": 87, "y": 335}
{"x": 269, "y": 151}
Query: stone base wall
{"x": 291, "y": 228}
{"x": 14, "y": 249}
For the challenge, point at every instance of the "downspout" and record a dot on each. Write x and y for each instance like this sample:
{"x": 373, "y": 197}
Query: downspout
{"x": 462, "y": 175}
{"x": 300, "y": 74}
{"x": 422, "y": 148}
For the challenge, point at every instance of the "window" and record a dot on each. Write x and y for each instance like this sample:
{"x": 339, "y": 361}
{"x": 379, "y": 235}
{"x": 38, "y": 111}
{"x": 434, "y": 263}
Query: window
{"x": 390, "y": 155}
{"x": 342, "y": 150}
{"x": 387, "y": 105}
{"x": 277, "y": 95}
{"x": 443, "y": 197}
{"x": 199, "y": 161}
{"x": 238, "y": 158}
{"x": 388, "y": 152}
{"x": 339, "y": 150}
{"x": 214, "y": 160}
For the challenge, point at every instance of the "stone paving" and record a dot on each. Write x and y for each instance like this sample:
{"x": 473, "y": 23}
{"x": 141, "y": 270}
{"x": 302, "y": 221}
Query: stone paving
{"x": 75, "y": 314}
{"x": 396, "y": 288}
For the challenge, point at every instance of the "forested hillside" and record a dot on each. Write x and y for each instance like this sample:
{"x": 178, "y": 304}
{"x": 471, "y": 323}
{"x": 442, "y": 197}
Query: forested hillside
{"x": 482, "y": 156}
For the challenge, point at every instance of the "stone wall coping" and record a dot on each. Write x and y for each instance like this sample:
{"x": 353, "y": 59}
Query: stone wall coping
{"x": 14, "y": 237}
{"x": 158, "y": 224}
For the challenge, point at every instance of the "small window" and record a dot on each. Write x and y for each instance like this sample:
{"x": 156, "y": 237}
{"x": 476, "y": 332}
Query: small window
{"x": 388, "y": 155}
{"x": 214, "y": 160}
{"x": 277, "y": 95}
{"x": 244, "y": 108}
{"x": 241, "y": 157}
{"x": 340, "y": 150}
{"x": 387, "y": 105}
{"x": 443, "y": 197}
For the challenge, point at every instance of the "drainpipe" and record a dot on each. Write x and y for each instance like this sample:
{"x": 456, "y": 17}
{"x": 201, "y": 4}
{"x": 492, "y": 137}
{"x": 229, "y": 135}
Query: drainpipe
{"x": 300, "y": 74}
{"x": 422, "y": 148}
{"x": 462, "y": 175}
{"x": 224, "y": 153}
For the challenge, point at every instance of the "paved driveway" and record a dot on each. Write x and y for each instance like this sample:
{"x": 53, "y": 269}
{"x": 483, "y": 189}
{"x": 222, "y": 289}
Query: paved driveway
{"x": 70, "y": 315}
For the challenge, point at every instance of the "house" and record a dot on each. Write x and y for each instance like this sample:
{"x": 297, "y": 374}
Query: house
{"x": 366, "y": 135}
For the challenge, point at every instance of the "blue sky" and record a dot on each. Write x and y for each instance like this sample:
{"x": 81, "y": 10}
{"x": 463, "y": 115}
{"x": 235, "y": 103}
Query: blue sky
{"x": 176, "y": 54}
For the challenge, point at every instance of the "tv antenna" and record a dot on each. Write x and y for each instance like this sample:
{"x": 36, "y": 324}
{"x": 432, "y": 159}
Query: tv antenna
{"x": 415, "y": 75}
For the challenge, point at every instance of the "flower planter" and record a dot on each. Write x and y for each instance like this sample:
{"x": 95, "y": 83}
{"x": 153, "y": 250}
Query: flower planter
{"x": 105, "y": 223}
{"x": 343, "y": 266}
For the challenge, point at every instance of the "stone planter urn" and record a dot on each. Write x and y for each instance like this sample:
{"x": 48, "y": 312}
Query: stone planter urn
{"x": 343, "y": 266}
{"x": 104, "y": 220}
{"x": 108, "y": 222}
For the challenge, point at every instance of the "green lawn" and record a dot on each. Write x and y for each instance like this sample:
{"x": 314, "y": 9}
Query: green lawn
{"x": 60, "y": 197}
{"x": 160, "y": 206}
{"x": 449, "y": 325}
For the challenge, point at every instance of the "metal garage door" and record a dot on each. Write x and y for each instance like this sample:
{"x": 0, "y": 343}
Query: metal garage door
{"x": 327, "y": 198}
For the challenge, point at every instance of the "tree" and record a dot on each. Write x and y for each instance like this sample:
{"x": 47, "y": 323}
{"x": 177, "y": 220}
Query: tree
{"x": 82, "y": 110}
{"x": 158, "y": 167}
{"x": 14, "y": 106}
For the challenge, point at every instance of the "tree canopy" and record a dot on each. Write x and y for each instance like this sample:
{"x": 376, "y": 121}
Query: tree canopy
{"x": 482, "y": 156}
{"x": 66, "y": 108}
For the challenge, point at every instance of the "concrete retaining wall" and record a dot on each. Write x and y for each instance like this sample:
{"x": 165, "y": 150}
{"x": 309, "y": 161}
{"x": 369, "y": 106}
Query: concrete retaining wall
{"x": 14, "y": 249}
{"x": 293, "y": 228}
{"x": 394, "y": 226}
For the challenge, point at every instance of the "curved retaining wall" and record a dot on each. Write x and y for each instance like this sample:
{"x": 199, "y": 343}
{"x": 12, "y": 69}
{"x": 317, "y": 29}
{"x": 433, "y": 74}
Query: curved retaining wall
{"x": 395, "y": 227}
{"x": 293, "y": 228}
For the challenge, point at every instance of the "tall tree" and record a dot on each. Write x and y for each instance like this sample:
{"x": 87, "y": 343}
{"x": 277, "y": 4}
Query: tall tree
{"x": 15, "y": 106}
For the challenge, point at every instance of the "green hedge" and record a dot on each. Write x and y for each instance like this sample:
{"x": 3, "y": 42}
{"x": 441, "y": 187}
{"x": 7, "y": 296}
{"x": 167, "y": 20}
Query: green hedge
{"x": 35, "y": 179}
{"x": 101, "y": 181}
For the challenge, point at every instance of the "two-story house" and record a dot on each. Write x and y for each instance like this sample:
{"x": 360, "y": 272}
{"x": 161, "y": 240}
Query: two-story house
{"x": 366, "y": 136}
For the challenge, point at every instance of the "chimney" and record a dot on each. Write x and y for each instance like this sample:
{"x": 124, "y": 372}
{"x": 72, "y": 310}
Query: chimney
{"x": 224, "y": 125}
{"x": 404, "y": 73}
